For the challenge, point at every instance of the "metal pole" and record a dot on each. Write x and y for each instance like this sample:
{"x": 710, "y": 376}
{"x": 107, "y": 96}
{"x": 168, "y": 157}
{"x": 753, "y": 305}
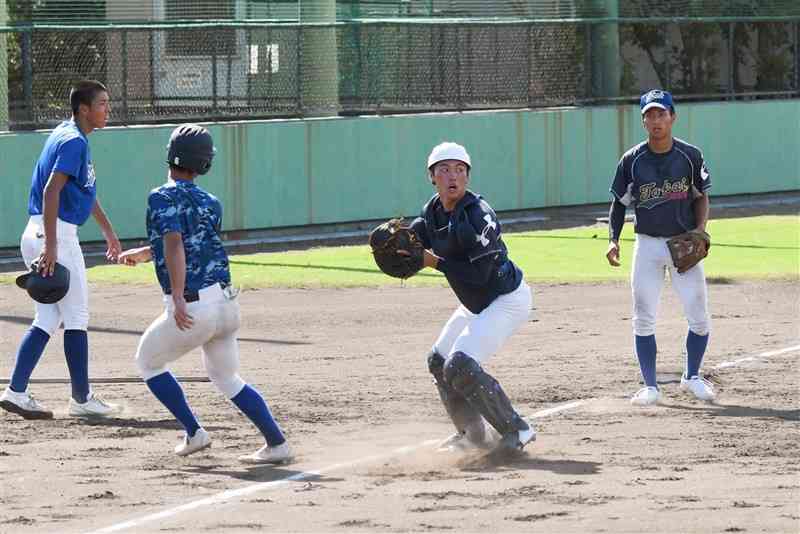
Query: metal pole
{"x": 797, "y": 57}
{"x": 214, "y": 73}
{"x": 27, "y": 75}
{"x": 125, "y": 76}
{"x": 151, "y": 46}
{"x": 605, "y": 40}
{"x": 320, "y": 59}
{"x": 3, "y": 70}
{"x": 529, "y": 53}
{"x": 731, "y": 60}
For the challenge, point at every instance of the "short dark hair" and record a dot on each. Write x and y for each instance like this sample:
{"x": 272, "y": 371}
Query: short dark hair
{"x": 174, "y": 167}
{"x": 84, "y": 92}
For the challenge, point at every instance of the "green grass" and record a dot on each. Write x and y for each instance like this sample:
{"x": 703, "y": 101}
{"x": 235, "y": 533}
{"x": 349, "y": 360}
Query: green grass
{"x": 749, "y": 248}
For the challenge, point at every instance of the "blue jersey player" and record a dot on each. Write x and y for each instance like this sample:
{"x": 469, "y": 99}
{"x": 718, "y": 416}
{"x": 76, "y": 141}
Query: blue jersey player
{"x": 462, "y": 238}
{"x": 63, "y": 195}
{"x": 202, "y": 310}
{"x": 667, "y": 182}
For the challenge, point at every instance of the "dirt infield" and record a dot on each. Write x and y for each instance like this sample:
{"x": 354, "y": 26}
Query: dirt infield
{"x": 344, "y": 372}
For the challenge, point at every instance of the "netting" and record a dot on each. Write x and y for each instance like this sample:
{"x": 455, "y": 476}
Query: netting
{"x": 226, "y": 69}
{"x": 82, "y": 11}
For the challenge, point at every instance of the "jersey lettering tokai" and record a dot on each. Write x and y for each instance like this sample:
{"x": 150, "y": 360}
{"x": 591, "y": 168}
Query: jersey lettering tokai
{"x": 474, "y": 258}
{"x": 662, "y": 187}
{"x": 66, "y": 151}
{"x": 181, "y": 206}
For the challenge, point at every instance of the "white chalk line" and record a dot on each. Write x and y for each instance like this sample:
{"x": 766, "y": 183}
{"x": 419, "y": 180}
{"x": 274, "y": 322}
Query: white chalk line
{"x": 263, "y": 486}
{"x": 762, "y": 356}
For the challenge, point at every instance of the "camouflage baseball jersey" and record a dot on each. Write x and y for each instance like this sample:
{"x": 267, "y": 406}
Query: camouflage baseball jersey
{"x": 662, "y": 187}
{"x": 182, "y": 206}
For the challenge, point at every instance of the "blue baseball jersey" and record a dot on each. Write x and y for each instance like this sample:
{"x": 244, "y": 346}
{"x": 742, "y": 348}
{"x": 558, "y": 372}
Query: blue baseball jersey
{"x": 181, "y": 206}
{"x": 474, "y": 258}
{"x": 67, "y": 151}
{"x": 662, "y": 187}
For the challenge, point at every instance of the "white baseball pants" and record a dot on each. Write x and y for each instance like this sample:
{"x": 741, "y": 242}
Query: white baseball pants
{"x": 216, "y": 322}
{"x": 481, "y": 335}
{"x": 73, "y": 309}
{"x": 651, "y": 258}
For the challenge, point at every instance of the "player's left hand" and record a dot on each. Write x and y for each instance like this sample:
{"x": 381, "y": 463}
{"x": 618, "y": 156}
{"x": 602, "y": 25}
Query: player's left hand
{"x": 114, "y": 247}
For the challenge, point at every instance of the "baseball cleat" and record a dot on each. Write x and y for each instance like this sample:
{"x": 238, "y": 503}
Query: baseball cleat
{"x": 517, "y": 439}
{"x": 279, "y": 454}
{"x": 459, "y": 442}
{"x": 699, "y": 387}
{"x": 93, "y": 407}
{"x": 646, "y": 396}
{"x": 23, "y": 404}
{"x": 190, "y": 445}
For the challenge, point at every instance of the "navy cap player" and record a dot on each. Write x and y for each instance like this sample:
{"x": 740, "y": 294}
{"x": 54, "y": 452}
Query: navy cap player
{"x": 667, "y": 183}
{"x": 202, "y": 310}
{"x": 462, "y": 238}
{"x": 63, "y": 196}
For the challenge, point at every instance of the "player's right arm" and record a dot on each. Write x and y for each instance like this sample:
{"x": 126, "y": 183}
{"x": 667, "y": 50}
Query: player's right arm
{"x": 175, "y": 258}
{"x": 621, "y": 197}
{"x": 616, "y": 220}
{"x": 50, "y": 203}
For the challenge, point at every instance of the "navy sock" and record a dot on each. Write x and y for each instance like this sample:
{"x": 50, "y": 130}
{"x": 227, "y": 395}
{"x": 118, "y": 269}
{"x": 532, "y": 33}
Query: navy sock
{"x": 252, "y": 404}
{"x": 646, "y": 352}
{"x": 695, "y": 350}
{"x": 28, "y": 354}
{"x": 169, "y": 392}
{"x": 76, "y": 350}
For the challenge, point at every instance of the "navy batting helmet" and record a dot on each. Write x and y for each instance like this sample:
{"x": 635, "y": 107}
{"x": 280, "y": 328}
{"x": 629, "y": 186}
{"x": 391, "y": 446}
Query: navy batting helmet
{"x": 191, "y": 147}
{"x": 45, "y": 289}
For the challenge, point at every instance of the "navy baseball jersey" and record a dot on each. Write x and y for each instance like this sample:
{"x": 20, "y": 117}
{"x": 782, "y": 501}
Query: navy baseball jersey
{"x": 474, "y": 258}
{"x": 181, "y": 206}
{"x": 66, "y": 151}
{"x": 662, "y": 187}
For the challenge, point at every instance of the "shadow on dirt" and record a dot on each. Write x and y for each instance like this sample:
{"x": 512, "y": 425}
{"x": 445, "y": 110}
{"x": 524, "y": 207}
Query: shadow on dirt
{"x": 107, "y": 330}
{"x": 732, "y": 410}
{"x": 502, "y": 460}
{"x": 125, "y": 422}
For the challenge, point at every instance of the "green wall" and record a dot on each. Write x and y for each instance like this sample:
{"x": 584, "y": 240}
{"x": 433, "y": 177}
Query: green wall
{"x": 293, "y": 172}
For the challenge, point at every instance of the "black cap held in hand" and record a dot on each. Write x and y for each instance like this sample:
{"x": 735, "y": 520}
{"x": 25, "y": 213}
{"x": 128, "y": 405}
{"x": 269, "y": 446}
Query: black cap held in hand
{"x": 45, "y": 289}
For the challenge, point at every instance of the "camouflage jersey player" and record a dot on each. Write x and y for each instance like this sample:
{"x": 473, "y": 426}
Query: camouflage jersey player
{"x": 202, "y": 310}
{"x": 667, "y": 182}
{"x": 461, "y": 235}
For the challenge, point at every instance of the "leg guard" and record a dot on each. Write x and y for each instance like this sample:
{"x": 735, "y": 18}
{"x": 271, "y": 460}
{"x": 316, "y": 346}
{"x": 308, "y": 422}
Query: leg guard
{"x": 483, "y": 393}
{"x": 466, "y": 420}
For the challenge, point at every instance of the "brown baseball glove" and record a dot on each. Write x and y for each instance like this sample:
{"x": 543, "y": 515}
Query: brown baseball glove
{"x": 688, "y": 249}
{"x": 396, "y": 249}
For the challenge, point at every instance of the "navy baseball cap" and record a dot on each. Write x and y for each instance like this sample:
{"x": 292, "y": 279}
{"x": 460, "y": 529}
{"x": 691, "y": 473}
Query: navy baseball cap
{"x": 656, "y": 99}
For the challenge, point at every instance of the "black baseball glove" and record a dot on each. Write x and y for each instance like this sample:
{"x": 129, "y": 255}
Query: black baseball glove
{"x": 688, "y": 249}
{"x": 396, "y": 249}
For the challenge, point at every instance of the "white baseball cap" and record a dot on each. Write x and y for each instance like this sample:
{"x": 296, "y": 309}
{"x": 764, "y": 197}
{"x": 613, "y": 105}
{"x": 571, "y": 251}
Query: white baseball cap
{"x": 448, "y": 150}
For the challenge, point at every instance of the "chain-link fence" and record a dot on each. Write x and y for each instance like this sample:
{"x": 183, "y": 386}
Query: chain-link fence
{"x": 248, "y": 70}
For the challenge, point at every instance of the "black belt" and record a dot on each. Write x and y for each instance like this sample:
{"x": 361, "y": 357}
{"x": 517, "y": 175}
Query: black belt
{"x": 194, "y": 296}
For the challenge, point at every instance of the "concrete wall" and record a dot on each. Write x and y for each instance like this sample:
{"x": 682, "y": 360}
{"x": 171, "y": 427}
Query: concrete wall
{"x": 297, "y": 172}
